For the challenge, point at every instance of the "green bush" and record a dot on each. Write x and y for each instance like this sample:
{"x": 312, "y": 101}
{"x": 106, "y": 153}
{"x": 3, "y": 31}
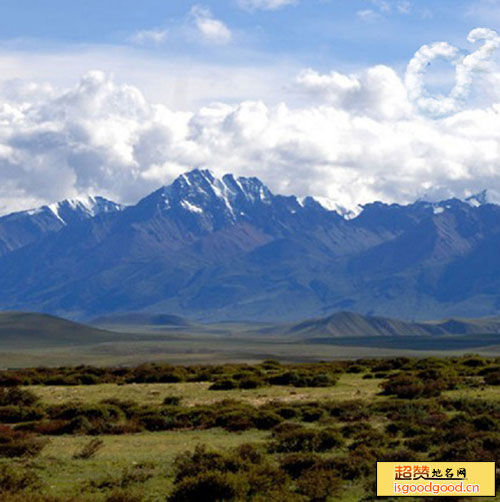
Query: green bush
{"x": 14, "y": 396}
{"x": 251, "y": 383}
{"x": 296, "y": 463}
{"x": 235, "y": 420}
{"x": 319, "y": 484}
{"x": 492, "y": 378}
{"x": 266, "y": 420}
{"x": 208, "y": 485}
{"x": 15, "y": 443}
{"x": 89, "y": 450}
{"x": 13, "y": 414}
{"x": 15, "y": 478}
{"x": 306, "y": 440}
{"x": 224, "y": 384}
{"x": 172, "y": 400}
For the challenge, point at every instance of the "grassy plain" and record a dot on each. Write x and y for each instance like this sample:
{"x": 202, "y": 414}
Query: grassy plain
{"x": 63, "y": 474}
{"x": 349, "y": 386}
{"x": 209, "y": 348}
{"x": 96, "y": 479}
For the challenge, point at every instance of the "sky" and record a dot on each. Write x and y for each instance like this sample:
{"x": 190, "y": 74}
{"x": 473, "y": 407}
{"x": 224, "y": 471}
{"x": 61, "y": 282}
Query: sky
{"x": 354, "y": 101}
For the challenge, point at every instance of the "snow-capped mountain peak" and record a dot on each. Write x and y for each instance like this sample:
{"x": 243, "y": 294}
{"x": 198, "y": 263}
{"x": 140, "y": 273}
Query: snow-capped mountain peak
{"x": 81, "y": 208}
{"x": 200, "y": 192}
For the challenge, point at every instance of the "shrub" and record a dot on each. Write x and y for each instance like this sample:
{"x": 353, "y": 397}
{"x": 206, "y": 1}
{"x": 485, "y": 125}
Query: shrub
{"x": 138, "y": 474}
{"x": 89, "y": 449}
{"x": 189, "y": 464}
{"x": 355, "y": 368}
{"x": 129, "y": 407}
{"x": 106, "y": 412}
{"x": 250, "y": 383}
{"x": 296, "y": 463}
{"x": 19, "y": 443}
{"x": 312, "y": 413}
{"x": 421, "y": 443}
{"x": 235, "y": 420}
{"x": 13, "y": 414}
{"x": 172, "y": 400}
{"x": 15, "y": 479}
{"x": 286, "y": 412}
{"x": 403, "y": 386}
{"x": 119, "y": 495}
{"x": 261, "y": 478}
{"x": 306, "y": 440}
{"x": 208, "y": 485}
{"x": 266, "y": 420}
{"x": 348, "y": 411}
{"x": 319, "y": 484}
{"x": 492, "y": 378}
{"x": 485, "y": 423}
{"x": 8, "y": 379}
{"x": 359, "y": 463}
{"x": 303, "y": 379}
{"x": 16, "y": 397}
{"x": 155, "y": 421}
{"x": 224, "y": 384}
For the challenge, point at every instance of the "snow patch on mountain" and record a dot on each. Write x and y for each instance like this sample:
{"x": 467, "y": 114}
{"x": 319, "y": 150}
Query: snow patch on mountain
{"x": 191, "y": 207}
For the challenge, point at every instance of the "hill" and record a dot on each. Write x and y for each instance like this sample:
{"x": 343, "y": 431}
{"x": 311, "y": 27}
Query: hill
{"x": 26, "y": 329}
{"x": 141, "y": 319}
{"x": 349, "y": 324}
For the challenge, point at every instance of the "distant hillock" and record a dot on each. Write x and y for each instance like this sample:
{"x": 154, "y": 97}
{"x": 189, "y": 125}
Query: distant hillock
{"x": 350, "y": 324}
{"x": 26, "y": 328}
{"x": 141, "y": 319}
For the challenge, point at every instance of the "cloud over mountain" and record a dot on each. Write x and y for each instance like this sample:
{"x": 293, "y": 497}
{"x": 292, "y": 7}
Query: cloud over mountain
{"x": 354, "y": 138}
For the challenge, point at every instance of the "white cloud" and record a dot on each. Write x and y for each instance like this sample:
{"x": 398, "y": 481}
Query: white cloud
{"x": 155, "y": 36}
{"x": 355, "y": 138}
{"x": 467, "y": 65}
{"x": 162, "y": 76}
{"x": 211, "y": 29}
{"x": 265, "y": 4}
{"x": 377, "y": 92}
{"x": 368, "y": 15}
{"x": 383, "y": 8}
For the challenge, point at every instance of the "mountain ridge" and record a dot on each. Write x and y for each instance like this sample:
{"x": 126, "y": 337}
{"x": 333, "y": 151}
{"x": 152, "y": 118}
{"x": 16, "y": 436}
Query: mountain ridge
{"x": 227, "y": 248}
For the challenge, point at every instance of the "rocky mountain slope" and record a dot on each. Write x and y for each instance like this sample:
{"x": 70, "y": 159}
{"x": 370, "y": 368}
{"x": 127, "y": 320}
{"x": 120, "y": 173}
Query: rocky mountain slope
{"x": 216, "y": 249}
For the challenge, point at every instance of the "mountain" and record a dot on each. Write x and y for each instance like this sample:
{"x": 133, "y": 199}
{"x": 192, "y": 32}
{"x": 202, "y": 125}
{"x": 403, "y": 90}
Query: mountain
{"x": 22, "y": 228}
{"x": 213, "y": 249}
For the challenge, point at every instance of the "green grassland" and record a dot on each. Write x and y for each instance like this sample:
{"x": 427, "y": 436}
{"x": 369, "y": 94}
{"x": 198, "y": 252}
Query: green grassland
{"x": 349, "y": 386}
{"x": 272, "y": 431}
{"x": 184, "y": 348}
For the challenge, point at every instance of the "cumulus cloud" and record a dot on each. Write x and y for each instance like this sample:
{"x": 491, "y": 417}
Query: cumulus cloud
{"x": 265, "y": 4}
{"x": 467, "y": 66}
{"x": 355, "y": 138}
{"x": 377, "y": 92}
{"x": 212, "y": 30}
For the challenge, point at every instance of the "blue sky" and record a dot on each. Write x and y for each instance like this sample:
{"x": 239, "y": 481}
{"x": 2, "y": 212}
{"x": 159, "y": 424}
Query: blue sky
{"x": 356, "y": 31}
{"x": 342, "y": 35}
{"x": 349, "y": 100}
